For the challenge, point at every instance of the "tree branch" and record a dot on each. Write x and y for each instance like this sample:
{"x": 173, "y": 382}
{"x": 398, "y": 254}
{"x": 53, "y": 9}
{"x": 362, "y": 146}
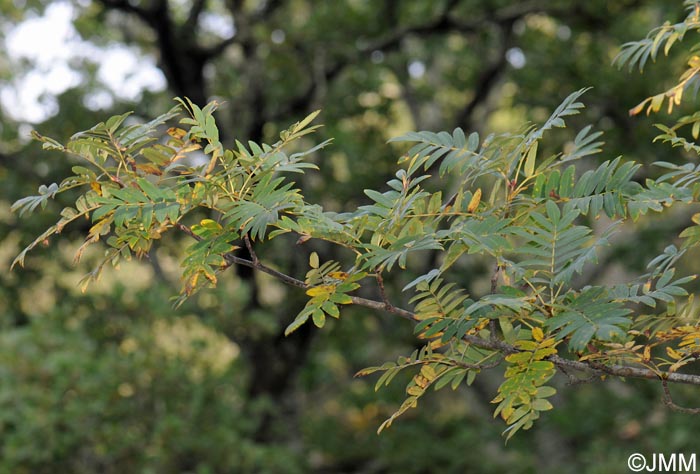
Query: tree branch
{"x": 390, "y": 41}
{"x": 232, "y": 259}
{"x": 147, "y": 15}
{"x": 196, "y": 10}
{"x": 215, "y": 50}
{"x": 181, "y": 59}
{"x": 491, "y": 344}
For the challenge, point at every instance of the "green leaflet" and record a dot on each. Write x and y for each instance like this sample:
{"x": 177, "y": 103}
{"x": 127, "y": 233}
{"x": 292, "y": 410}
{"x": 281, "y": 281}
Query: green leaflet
{"x": 591, "y": 313}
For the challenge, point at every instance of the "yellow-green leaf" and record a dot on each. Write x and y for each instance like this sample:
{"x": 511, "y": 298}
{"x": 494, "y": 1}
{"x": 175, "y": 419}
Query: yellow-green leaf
{"x": 541, "y": 404}
{"x": 537, "y": 334}
{"x": 297, "y": 323}
{"x": 331, "y": 309}
{"x": 529, "y": 167}
{"x": 319, "y": 318}
{"x": 313, "y": 260}
{"x": 474, "y": 201}
{"x": 320, "y": 290}
{"x": 428, "y": 372}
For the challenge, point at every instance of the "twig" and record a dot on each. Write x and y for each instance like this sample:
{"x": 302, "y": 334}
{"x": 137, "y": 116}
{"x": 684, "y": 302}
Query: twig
{"x": 188, "y": 231}
{"x": 494, "y": 285}
{"x": 668, "y": 401}
{"x": 382, "y": 292}
{"x": 490, "y": 344}
{"x": 232, "y": 259}
{"x": 249, "y": 246}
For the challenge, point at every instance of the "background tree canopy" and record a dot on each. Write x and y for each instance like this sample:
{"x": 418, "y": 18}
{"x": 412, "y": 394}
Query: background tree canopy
{"x": 116, "y": 379}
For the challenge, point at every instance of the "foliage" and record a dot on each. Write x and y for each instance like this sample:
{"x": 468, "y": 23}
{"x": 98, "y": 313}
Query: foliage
{"x": 135, "y": 381}
{"x": 350, "y": 59}
{"x": 637, "y": 53}
{"x": 509, "y": 204}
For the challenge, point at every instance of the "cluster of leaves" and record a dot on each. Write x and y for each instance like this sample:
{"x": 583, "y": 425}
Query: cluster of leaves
{"x": 80, "y": 396}
{"x": 524, "y": 394}
{"x": 328, "y": 288}
{"x": 138, "y": 186}
{"x": 532, "y": 227}
{"x": 531, "y": 216}
{"x": 637, "y": 53}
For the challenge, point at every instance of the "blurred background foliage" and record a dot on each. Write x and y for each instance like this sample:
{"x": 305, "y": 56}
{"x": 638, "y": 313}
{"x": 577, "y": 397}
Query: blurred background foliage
{"x": 115, "y": 380}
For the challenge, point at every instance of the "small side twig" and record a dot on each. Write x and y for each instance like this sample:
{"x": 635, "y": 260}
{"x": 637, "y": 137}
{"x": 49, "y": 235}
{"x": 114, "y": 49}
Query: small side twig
{"x": 233, "y": 260}
{"x": 494, "y": 286}
{"x": 668, "y": 401}
{"x": 382, "y": 292}
{"x": 188, "y": 231}
{"x": 249, "y": 246}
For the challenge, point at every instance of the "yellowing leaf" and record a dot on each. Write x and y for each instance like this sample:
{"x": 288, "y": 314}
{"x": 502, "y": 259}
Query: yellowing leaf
{"x": 437, "y": 343}
{"x": 639, "y": 107}
{"x": 428, "y": 372}
{"x": 537, "y": 334}
{"x": 210, "y": 224}
{"x": 149, "y": 168}
{"x": 529, "y": 167}
{"x": 507, "y": 412}
{"x": 421, "y": 381}
{"x": 674, "y": 354}
{"x": 176, "y": 132}
{"x": 320, "y": 290}
{"x": 690, "y": 340}
{"x": 548, "y": 342}
{"x": 338, "y": 275}
{"x": 519, "y": 357}
{"x": 474, "y": 202}
{"x": 182, "y": 152}
{"x": 677, "y": 365}
{"x": 656, "y": 103}
{"x": 191, "y": 283}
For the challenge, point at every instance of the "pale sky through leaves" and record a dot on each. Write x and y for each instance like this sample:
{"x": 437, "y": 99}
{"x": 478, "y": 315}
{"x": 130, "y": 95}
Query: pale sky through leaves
{"x": 53, "y": 47}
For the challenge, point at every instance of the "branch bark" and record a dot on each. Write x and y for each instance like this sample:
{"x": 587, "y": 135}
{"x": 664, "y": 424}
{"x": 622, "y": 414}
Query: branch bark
{"x": 495, "y": 344}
